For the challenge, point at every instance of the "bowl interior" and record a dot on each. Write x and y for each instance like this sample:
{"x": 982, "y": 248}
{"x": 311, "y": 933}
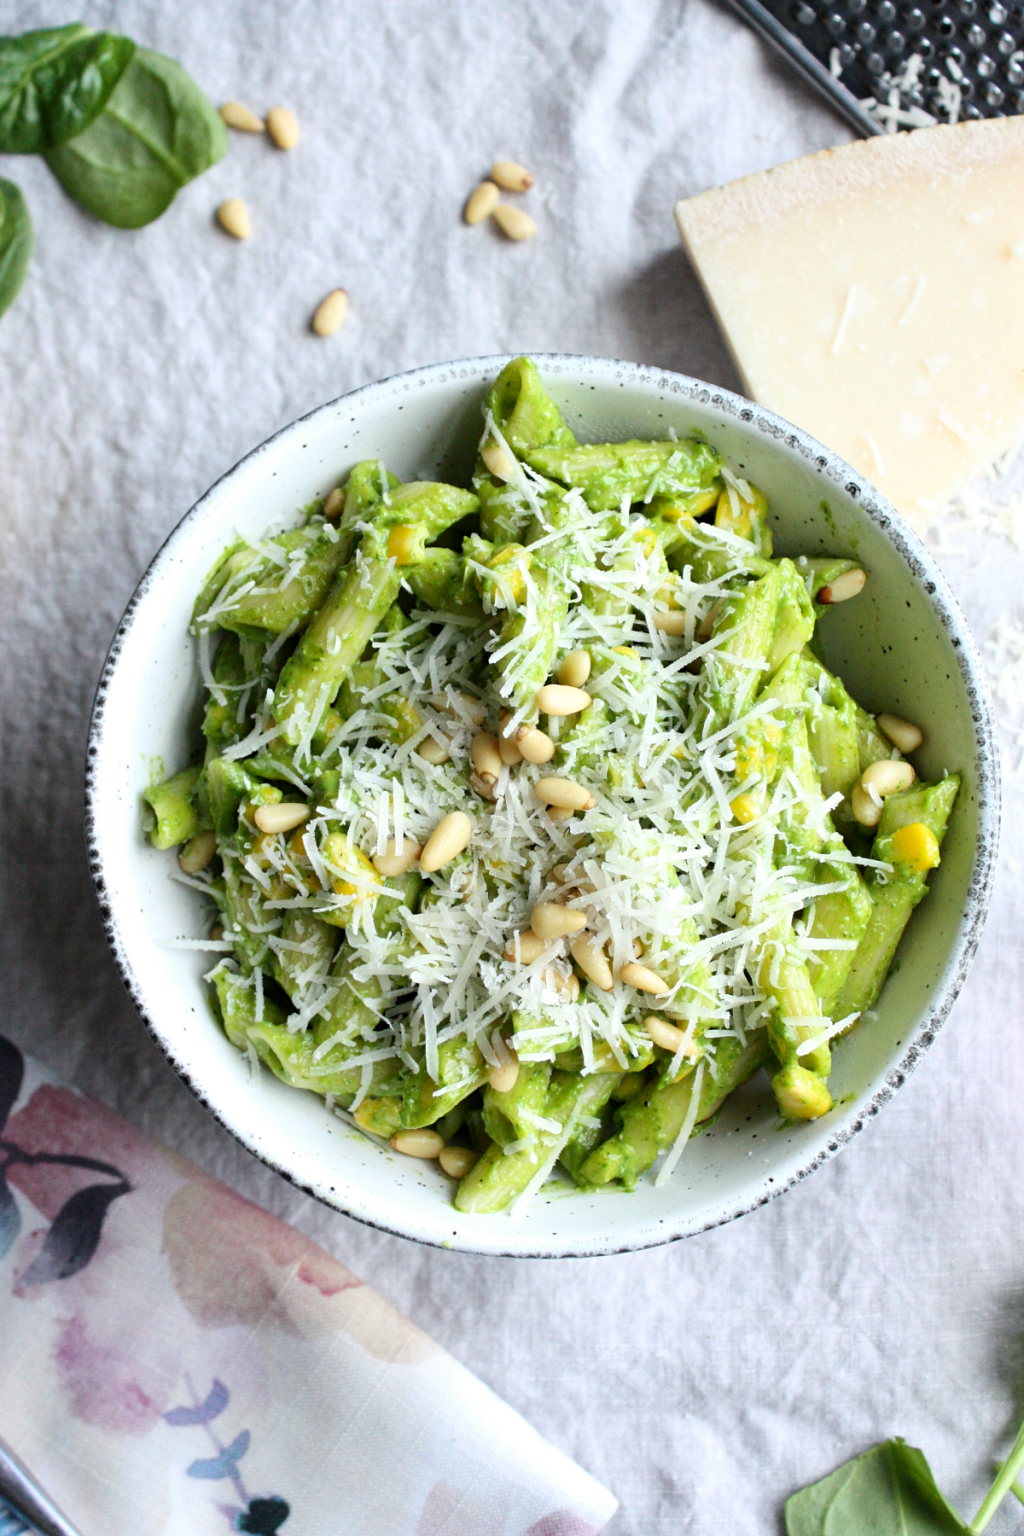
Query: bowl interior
{"x": 901, "y": 646}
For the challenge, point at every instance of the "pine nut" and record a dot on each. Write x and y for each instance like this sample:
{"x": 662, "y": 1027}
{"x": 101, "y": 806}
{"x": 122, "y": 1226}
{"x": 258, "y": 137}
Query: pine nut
{"x": 504, "y": 1076}
{"x": 446, "y": 842}
{"x": 507, "y": 745}
{"x": 486, "y": 788}
{"x": 549, "y": 920}
{"x": 197, "y": 852}
{"x": 237, "y": 115}
{"x": 706, "y": 628}
{"x": 512, "y": 176}
{"x": 514, "y": 223}
{"x": 501, "y": 464}
{"x": 904, "y": 735}
{"x": 592, "y": 961}
{"x": 433, "y": 751}
{"x": 530, "y": 947}
{"x": 865, "y": 810}
{"x": 457, "y": 1161}
{"x": 559, "y": 812}
{"x": 426, "y": 1143}
{"x": 486, "y": 756}
{"x": 670, "y": 1037}
{"x": 557, "y": 699}
{"x": 233, "y": 218}
{"x": 563, "y": 792}
{"x": 567, "y": 987}
{"x": 574, "y": 669}
{"x": 845, "y": 586}
{"x": 536, "y": 746}
{"x": 390, "y": 863}
{"x": 457, "y": 704}
{"x": 331, "y": 312}
{"x": 282, "y": 817}
{"x": 334, "y": 503}
{"x": 643, "y": 979}
{"x": 671, "y": 623}
{"x": 560, "y": 874}
{"x": 887, "y": 776}
{"x": 283, "y": 127}
{"x": 482, "y": 202}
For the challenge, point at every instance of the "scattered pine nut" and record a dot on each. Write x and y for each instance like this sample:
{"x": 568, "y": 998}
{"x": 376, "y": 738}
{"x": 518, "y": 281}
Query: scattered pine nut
{"x": 390, "y": 863}
{"x": 512, "y": 176}
{"x": 514, "y": 223}
{"x": 670, "y": 1037}
{"x": 331, "y": 313}
{"x": 536, "y": 746}
{"x": 589, "y": 955}
{"x": 457, "y": 1161}
{"x": 283, "y": 127}
{"x": 844, "y": 587}
{"x": 574, "y": 669}
{"x": 566, "y": 986}
{"x": 887, "y": 776}
{"x": 671, "y": 623}
{"x": 550, "y": 920}
{"x": 501, "y": 464}
{"x": 433, "y": 751}
{"x": 237, "y": 115}
{"x": 233, "y": 218}
{"x": 865, "y": 810}
{"x": 507, "y": 745}
{"x": 282, "y": 817}
{"x": 559, "y": 812}
{"x": 334, "y": 503}
{"x": 426, "y": 1143}
{"x": 530, "y": 947}
{"x": 904, "y": 735}
{"x": 565, "y": 793}
{"x": 486, "y": 756}
{"x": 558, "y": 699}
{"x": 504, "y": 1076}
{"x": 197, "y": 852}
{"x": 482, "y": 203}
{"x": 560, "y": 874}
{"x": 643, "y": 979}
{"x": 451, "y": 835}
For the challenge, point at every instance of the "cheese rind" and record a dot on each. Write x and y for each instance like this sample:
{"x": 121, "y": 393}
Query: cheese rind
{"x": 874, "y": 295}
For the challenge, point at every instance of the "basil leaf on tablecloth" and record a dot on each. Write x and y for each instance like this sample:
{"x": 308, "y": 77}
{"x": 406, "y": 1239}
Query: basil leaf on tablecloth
{"x": 889, "y": 1491}
{"x": 54, "y": 83}
{"x": 156, "y": 133}
{"x": 15, "y": 242}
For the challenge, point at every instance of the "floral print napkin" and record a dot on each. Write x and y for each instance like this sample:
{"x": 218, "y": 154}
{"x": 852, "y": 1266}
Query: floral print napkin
{"x": 174, "y": 1360}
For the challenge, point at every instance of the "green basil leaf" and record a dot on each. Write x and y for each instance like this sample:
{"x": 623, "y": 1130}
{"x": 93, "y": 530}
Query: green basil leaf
{"x": 889, "y": 1491}
{"x": 15, "y": 242}
{"x": 54, "y": 83}
{"x": 156, "y": 132}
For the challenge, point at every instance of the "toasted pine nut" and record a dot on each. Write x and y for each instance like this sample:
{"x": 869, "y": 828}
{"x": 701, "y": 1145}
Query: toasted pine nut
{"x": 486, "y": 788}
{"x": 514, "y": 223}
{"x": 233, "y": 218}
{"x": 904, "y": 735}
{"x": 845, "y": 586}
{"x": 559, "y": 812}
{"x": 671, "y": 623}
{"x": 511, "y": 176}
{"x": 459, "y": 704}
{"x": 446, "y": 842}
{"x": 557, "y": 699}
{"x": 237, "y": 115}
{"x": 592, "y": 961}
{"x": 574, "y": 669}
{"x": 887, "y": 776}
{"x": 706, "y": 628}
{"x": 282, "y": 817}
{"x": 670, "y": 1037}
{"x": 531, "y": 947}
{"x": 283, "y": 127}
{"x": 507, "y": 745}
{"x": 563, "y": 792}
{"x": 486, "y": 756}
{"x": 559, "y": 874}
{"x": 433, "y": 751}
{"x": 501, "y": 464}
{"x": 197, "y": 852}
{"x": 334, "y": 502}
{"x": 643, "y": 979}
{"x": 482, "y": 202}
{"x": 536, "y": 746}
{"x": 564, "y": 986}
{"x": 426, "y": 1143}
{"x": 867, "y": 811}
{"x": 457, "y": 1161}
{"x": 504, "y": 1076}
{"x": 331, "y": 312}
{"x": 391, "y": 863}
{"x": 550, "y": 920}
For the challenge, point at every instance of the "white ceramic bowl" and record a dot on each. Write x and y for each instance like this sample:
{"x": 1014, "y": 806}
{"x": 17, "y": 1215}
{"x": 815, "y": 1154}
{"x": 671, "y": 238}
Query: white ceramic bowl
{"x": 902, "y": 646}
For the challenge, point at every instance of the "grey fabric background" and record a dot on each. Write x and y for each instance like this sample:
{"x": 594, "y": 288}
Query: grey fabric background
{"x": 704, "y": 1381}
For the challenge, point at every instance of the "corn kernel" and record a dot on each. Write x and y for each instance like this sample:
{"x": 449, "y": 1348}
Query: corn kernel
{"x": 917, "y": 847}
{"x": 402, "y": 542}
{"x": 746, "y": 808}
{"x": 626, "y": 650}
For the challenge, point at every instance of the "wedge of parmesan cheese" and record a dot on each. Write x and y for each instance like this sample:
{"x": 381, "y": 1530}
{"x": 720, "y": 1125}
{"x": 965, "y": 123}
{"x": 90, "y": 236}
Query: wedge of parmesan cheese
{"x": 874, "y": 295}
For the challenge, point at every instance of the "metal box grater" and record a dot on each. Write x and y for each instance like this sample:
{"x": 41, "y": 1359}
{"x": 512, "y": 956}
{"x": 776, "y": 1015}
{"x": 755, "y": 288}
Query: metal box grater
{"x": 889, "y": 64}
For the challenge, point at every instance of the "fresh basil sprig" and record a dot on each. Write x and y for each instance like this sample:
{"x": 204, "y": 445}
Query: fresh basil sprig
{"x": 54, "y": 83}
{"x": 890, "y": 1491}
{"x": 15, "y": 242}
{"x": 155, "y": 133}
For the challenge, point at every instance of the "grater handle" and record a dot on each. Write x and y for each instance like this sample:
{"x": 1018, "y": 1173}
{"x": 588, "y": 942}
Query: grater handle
{"x": 813, "y": 71}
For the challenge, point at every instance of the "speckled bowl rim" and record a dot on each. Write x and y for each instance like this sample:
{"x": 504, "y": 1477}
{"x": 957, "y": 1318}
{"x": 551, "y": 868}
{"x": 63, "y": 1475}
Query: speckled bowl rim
{"x": 877, "y": 509}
